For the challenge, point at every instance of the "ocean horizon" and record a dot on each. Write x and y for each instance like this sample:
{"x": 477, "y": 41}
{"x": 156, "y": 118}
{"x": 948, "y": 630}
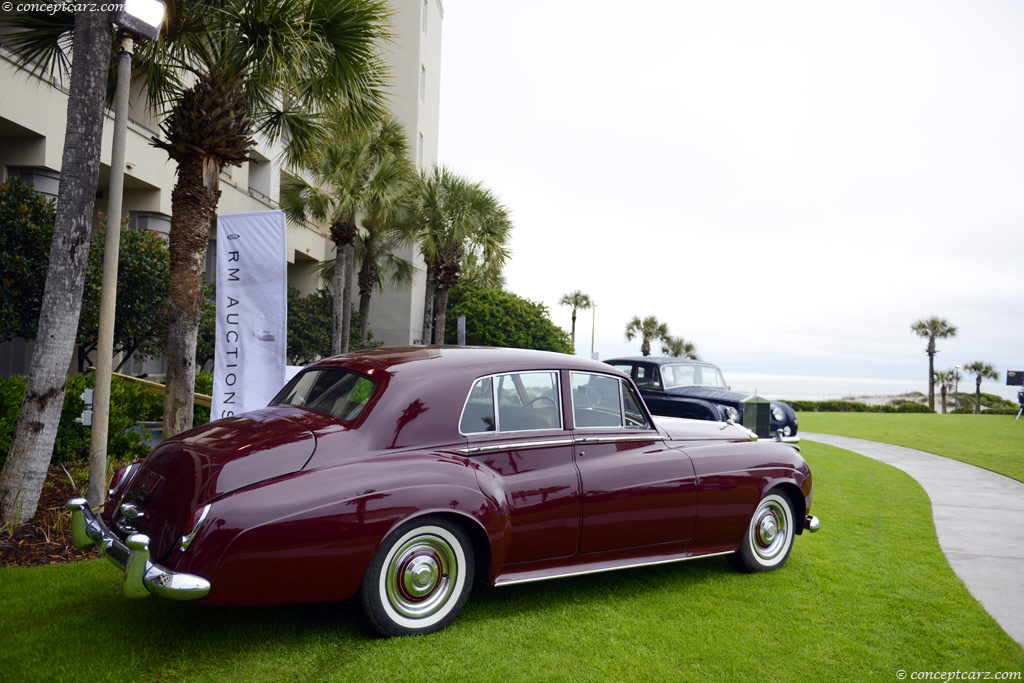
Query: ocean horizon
{"x": 817, "y": 388}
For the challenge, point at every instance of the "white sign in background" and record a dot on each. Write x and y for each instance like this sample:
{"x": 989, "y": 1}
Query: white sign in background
{"x": 252, "y": 301}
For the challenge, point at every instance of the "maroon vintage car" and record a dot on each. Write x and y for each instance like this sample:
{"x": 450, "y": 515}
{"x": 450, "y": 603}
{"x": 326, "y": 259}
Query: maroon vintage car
{"x": 404, "y": 475}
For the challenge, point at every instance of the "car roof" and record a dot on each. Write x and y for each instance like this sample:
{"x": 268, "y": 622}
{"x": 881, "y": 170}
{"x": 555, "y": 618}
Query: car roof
{"x": 440, "y": 358}
{"x": 659, "y": 360}
{"x": 426, "y": 386}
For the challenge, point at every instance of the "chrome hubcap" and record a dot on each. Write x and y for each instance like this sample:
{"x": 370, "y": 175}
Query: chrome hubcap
{"x": 769, "y": 531}
{"x": 421, "y": 576}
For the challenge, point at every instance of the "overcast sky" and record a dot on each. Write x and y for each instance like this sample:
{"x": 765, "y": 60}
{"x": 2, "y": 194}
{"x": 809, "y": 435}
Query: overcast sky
{"x": 787, "y": 184}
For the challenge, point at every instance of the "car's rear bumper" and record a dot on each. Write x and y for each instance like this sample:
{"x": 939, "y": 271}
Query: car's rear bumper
{"x": 142, "y": 576}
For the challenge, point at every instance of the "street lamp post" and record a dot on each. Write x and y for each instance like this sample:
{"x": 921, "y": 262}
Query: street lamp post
{"x": 141, "y": 19}
{"x": 593, "y": 326}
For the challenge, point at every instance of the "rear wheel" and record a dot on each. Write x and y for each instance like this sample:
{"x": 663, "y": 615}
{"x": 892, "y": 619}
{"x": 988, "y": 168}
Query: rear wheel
{"x": 419, "y": 579}
{"x": 769, "y": 536}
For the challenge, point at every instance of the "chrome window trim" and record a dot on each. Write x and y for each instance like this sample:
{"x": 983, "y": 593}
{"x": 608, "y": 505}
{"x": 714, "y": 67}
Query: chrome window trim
{"x": 491, "y": 448}
{"x": 494, "y": 400}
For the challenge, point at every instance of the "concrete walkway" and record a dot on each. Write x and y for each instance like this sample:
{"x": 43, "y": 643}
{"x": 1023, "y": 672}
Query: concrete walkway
{"x": 979, "y": 517}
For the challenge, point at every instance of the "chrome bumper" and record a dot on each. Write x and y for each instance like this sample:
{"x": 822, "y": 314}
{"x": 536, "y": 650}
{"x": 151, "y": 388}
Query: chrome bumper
{"x": 812, "y": 523}
{"x": 142, "y": 576}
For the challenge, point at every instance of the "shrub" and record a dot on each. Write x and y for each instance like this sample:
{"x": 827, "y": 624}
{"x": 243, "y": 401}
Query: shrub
{"x": 498, "y": 318}
{"x": 857, "y": 407}
{"x": 912, "y": 407}
{"x": 129, "y": 403}
{"x": 204, "y": 385}
{"x": 27, "y": 220}
{"x": 12, "y": 389}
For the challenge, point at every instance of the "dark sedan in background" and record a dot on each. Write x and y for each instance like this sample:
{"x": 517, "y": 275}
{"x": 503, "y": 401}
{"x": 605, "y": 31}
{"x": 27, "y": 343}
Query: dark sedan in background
{"x": 677, "y": 387}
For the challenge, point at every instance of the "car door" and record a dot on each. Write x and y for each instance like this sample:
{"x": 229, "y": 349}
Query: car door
{"x": 525, "y": 445}
{"x": 635, "y": 490}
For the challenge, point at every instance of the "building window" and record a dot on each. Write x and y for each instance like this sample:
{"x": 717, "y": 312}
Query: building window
{"x": 419, "y": 153}
{"x": 423, "y": 83}
{"x": 425, "y": 11}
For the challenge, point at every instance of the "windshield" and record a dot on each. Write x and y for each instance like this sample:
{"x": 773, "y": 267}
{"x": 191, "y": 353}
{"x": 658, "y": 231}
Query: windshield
{"x": 692, "y": 376}
{"x": 331, "y": 390}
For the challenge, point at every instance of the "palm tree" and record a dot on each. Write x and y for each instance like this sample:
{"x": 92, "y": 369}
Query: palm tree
{"x": 578, "y": 300}
{"x": 455, "y": 217}
{"x": 932, "y": 328}
{"x": 981, "y": 371}
{"x": 240, "y": 68}
{"x": 379, "y": 263}
{"x": 945, "y": 379}
{"x": 677, "y": 347}
{"x": 362, "y": 177}
{"x": 477, "y": 271}
{"x": 649, "y": 328}
{"x": 36, "y": 430}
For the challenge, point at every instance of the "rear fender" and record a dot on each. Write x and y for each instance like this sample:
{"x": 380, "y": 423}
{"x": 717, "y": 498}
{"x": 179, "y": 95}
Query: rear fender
{"x": 310, "y": 536}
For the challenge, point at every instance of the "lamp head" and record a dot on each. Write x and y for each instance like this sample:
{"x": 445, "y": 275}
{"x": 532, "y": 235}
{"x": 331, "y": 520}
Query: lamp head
{"x": 142, "y": 18}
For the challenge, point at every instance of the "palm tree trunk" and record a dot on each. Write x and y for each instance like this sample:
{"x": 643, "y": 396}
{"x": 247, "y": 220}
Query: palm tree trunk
{"x": 430, "y": 291}
{"x": 337, "y": 288}
{"x": 366, "y": 282}
{"x": 442, "y": 310}
{"x": 645, "y": 347}
{"x": 977, "y": 396}
{"x": 943, "y": 399}
{"x": 192, "y": 208}
{"x": 573, "y": 330}
{"x": 32, "y": 443}
{"x": 931, "y": 374}
{"x": 346, "y": 298}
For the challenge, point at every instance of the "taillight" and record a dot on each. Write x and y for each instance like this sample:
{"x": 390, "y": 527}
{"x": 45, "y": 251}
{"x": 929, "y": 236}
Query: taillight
{"x": 194, "y": 523}
{"x": 121, "y": 477}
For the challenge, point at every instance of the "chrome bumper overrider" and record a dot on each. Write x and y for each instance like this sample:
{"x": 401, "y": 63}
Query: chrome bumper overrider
{"x": 812, "y": 523}
{"x": 142, "y": 576}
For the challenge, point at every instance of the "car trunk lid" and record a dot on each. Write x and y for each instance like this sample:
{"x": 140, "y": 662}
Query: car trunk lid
{"x": 186, "y": 472}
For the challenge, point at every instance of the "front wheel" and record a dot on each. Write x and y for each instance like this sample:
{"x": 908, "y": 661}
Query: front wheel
{"x": 769, "y": 538}
{"x": 419, "y": 579}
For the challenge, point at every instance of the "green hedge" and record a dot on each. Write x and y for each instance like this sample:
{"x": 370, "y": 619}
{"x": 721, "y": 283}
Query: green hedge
{"x": 129, "y": 403}
{"x": 857, "y": 407}
{"x": 495, "y": 317}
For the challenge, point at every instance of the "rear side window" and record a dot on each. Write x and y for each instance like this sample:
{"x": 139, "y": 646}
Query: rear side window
{"x": 334, "y": 391}
{"x": 525, "y": 401}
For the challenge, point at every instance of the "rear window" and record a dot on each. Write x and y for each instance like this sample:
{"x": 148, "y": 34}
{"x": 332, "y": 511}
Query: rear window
{"x": 334, "y": 391}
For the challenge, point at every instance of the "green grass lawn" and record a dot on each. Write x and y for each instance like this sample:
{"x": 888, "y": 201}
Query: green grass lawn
{"x": 868, "y": 595}
{"x": 995, "y": 442}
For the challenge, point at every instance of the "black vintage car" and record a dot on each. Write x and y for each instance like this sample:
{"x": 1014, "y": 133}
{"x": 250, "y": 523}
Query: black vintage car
{"x": 676, "y": 387}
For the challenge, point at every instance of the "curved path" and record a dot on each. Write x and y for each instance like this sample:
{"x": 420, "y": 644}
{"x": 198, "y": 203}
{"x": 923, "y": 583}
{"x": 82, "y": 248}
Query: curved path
{"x": 979, "y": 518}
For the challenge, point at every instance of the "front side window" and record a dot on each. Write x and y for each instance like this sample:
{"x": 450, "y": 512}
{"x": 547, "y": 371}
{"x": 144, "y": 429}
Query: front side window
{"x": 525, "y": 401}
{"x": 334, "y": 391}
{"x": 603, "y": 401}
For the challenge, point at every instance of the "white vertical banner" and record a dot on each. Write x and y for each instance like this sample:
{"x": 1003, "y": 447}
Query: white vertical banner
{"x": 252, "y": 302}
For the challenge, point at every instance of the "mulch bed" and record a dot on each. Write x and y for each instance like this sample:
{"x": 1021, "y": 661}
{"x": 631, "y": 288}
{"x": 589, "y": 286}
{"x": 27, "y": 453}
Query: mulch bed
{"x": 46, "y": 538}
